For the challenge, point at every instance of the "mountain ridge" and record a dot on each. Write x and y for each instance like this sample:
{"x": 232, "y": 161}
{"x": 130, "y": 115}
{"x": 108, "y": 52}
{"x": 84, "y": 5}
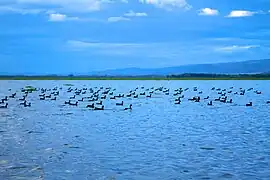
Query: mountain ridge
{"x": 243, "y": 67}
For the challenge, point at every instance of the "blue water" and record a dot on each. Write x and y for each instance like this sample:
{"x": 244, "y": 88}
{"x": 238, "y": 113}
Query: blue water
{"x": 157, "y": 140}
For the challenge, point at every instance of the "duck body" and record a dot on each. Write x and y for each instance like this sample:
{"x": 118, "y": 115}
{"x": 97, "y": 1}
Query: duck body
{"x": 249, "y": 104}
{"x": 27, "y": 105}
{"x": 120, "y": 104}
{"x": 74, "y": 104}
{"x": 99, "y": 108}
{"x": 90, "y": 106}
{"x": 99, "y": 103}
{"x": 4, "y": 107}
{"x": 178, "y": 102}
{"x": 128, "y": 108}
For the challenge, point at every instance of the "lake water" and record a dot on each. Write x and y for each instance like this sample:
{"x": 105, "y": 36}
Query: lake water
{"x": 157, "y": 140}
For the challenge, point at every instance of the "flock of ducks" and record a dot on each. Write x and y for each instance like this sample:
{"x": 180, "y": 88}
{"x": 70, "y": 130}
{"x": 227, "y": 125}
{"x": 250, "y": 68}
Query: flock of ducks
{"x": 97, "y": 95}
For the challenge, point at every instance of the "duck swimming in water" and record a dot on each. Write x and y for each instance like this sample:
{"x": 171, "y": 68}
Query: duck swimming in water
{"x": 90, "y": 106}
{"x": 120, "y": 104}
{"x": 128, "y": 108}
{"x": 98, "y": 108}
{"x": 249, "y": 104}
{"x": 4, "y": 107}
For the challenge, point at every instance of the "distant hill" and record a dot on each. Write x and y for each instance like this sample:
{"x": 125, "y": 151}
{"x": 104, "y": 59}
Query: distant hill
{"x": 244, "y": 67}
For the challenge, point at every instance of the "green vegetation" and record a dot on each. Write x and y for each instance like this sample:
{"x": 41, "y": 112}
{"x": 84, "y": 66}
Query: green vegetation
{"x": 171, "y": 77}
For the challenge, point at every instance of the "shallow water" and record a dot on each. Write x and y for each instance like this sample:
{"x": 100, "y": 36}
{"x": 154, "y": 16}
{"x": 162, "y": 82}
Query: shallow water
{"x": 157, "y": 140}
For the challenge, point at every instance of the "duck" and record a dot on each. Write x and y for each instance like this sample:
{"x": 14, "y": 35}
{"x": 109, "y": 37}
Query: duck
{"x": 67, "y": 102}
{"x": 149, "y": 96}
{"x": 113, "y": 97}
{"x": 4, "y": 107}
{"x": 177, "y": 102}
{"x": 49, "y": 96}
{"x": 103, "y": 97}
{"x": 128, "y": 108}
{"x": 268, "y": 102}
{"x": 249, "y": 104}
{"x": 81, "y": 100}
{"x": 23, "y": 98}
{"x": 74, "y": 104}
{"x": 207, "y": 97}
{"x": 12, "y": 96}
{"x": 136, "y": 96}
{"x": 5, "y": 99}
{"x": 210, "y": 103}
{"x": 27, "y": 105}
{"x": 42, "y": 98}
{"x": 99, "y": 103}
{"x": 258, "y": 92}
{"x": 120, "y": 104}
{"x": 73, "y": 97}
{"x": 53, "y": 99}
{"x": 99, "y": 108}
{"x": 23, "y": 103}
{"x": 90, "y": 106}
{"x": 230, "y": 101}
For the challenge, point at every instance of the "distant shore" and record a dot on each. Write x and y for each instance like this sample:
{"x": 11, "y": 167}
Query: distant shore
{"x": 173, "y": 77}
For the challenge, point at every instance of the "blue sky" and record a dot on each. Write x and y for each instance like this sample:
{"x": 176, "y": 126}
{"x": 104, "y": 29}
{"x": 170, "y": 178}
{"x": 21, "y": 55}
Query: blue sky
{"x": 80, "y": 36}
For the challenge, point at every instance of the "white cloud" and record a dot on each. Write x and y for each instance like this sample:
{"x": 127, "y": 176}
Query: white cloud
{"x": 241, "y": 13}
{"x": 57, "y": 17}
{"x": 208, "y": 12}
{"x": 235, "y": 48}
{"x": 61, "y": 17}
{"x": 19, "y": 10}
{"x": 86, "y": 44}
{"x": 168, "y": 4}
{"x": 117, "y": 18}
{"x": 135, "y": 14}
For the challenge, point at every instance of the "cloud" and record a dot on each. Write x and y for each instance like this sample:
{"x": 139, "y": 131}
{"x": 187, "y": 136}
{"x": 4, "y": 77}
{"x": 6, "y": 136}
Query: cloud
{"x": 56, "y": 17}
{"x": 117, "y": 18}
{"x": 19, "y": 10}
{"x": 235, "y": 48}
{"x": 208, "y": 12}
{"x": 85, "y": 44}
{"x": 134, "y": 14}
{"x": 240, "y": 13}
{"x": 62, "y": 5}
{"x": 168, "y": 4}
